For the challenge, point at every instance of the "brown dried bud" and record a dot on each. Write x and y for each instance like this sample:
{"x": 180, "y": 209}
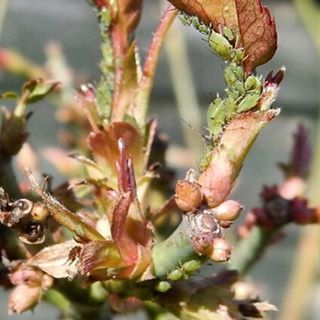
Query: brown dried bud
{"x": 23, "y": 298}
{"x": 40, "y": 211}
{"x": 221, "y": 250}
{"x": 227, "y": 211}
{"x": 188, "y": 195}
{"x": 203, "y": 228}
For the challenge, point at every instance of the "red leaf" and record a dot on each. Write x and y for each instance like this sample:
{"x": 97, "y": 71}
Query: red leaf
{"x": 104, "y": 145}
{"x": 248, "y": 19}
{"x": 126, "y": 245}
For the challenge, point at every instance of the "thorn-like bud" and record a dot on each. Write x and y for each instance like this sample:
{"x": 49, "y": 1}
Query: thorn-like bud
{"x": 221, "y": 250}
{"x": 188, "y": 195}
{"x": 227, "y": 211}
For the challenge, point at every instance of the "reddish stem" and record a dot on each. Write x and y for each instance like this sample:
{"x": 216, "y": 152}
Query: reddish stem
{"x": 152, "y": 59}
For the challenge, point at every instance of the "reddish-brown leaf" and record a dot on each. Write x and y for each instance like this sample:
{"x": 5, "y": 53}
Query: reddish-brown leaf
{"x": 248, "y": 19}
{"x": 126, "y": 245}
{"x": 104, "y": 145}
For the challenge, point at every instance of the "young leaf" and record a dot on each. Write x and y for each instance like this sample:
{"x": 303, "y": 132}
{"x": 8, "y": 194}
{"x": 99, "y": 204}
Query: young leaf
{"x": 250, "y": 22}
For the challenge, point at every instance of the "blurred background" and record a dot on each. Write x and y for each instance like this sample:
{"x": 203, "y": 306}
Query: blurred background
{"x": 28, "y": 26}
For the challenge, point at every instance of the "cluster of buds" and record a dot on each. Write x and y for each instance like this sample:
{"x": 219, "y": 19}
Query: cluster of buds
{"x": 30, "y": 283}
{"x": 205, "y": 225}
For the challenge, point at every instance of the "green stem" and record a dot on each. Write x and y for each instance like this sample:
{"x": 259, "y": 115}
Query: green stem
{"x": 249, "y": 250}
{"x": 172, "y": 252}
{"x": 57, "y": 299}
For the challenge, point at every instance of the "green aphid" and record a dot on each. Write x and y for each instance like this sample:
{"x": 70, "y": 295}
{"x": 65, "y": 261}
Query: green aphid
{"x": 202, "y": 28}
{"x": 253, "y": 83}
{"x": 220, "y": 45}
{"x": 239, "y": 72}
{"x": 216, "y": 117}
{"x": 239, "y": 86}
{"x": 163, "y": 286}
{"x": 205, "y": 158}
{"x": 227, "y": 32}
{"x": 229, "y": 75}
{"x": 175, "y": 275}
{"x": 230, "y": 107}
{"x": 191, "y": 266}
{"x": 232, "y": 92}
{"x": 238, "y": 55}
{"x": 249, "y": 102}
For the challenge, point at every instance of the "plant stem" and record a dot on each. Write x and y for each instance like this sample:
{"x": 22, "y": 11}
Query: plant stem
{"x": 151, "y": 63}
{"x": 170, "y": 253}
{"x": 7, "y": 177}
{"x": 249, "y": 250}
{"x": 307, "y": 255}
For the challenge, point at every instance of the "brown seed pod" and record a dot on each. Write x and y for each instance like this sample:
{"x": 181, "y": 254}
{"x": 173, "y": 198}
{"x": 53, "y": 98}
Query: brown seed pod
{"x": 188, "y": 196}
{"x": 203, "y": 227}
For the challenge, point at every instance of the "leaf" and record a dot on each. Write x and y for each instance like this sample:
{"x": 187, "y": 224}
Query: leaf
{"x": 9, "y": 95}
{"x": 129, "y": 81}
{"x": 104, "y": 145}
{"x": 36, "y": 89}
{"x": 54, "y": 260}
{"x": 128, "y": 14}
{"x": 248, "y": 19}
{"x": 99, "y": 255}
{"x": 126, "y": 245}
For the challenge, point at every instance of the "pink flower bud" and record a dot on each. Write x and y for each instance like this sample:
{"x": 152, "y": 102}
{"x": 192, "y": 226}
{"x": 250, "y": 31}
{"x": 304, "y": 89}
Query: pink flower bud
{"x": 292, "y": 187}
{"x": 26, "y": 276}
{"x": 221, "y": 250}
{"x": 228, "y": 210}
{"x": 23, "y": 298}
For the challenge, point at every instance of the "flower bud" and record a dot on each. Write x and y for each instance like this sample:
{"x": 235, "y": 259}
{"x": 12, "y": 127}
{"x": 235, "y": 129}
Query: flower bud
{"x": 221, "y": 250}
{"x": 23, "y": 298}
{"x": 26, "y": 276}
{"x": 39, "y": 211}
{"x": 228, "y": 210}
{"x": 292, "y": 187}
{"x": 188, "y": 195}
